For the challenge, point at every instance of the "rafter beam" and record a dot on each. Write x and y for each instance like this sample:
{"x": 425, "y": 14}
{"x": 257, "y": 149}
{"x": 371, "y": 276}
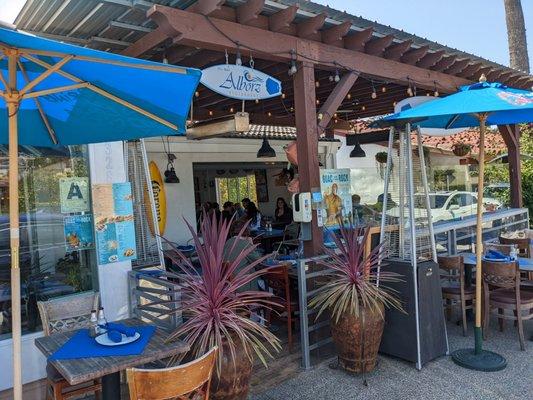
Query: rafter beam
{"x": 335, "y": 34}
{"x": 430, "y": 59}
{"x": 494, "y": 75}
{"x": 206, "y": 7}
{"x": 249, "y": 11}
{"x": 444, "y": 63}
{"x": 196, "y": 31}
{"x": 358, "y": 40}
{"x": 397, "y": 50}
{"x": 414, "y": 55}
{"x": 130, "y": 27}
{"x": 281, "y": 20}
{"x": 335, "y": 99}
{"x": 470, "y": 70}
{"x": 146, "y": 43}
{"x": 376, "y": 47}
{"x": 309, "y": 27}
{"x": 458, "y": 66}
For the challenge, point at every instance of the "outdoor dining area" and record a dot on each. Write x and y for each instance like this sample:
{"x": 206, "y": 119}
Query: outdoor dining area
{"x": 248, "y": 297}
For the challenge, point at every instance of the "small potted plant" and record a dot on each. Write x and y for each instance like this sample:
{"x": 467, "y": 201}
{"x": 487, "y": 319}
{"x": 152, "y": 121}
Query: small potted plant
{"x": 355, "y": 299}
{"x": 217, "y": 305}
{"x": 461, "y": 149}
{"x": 381, "y": 163}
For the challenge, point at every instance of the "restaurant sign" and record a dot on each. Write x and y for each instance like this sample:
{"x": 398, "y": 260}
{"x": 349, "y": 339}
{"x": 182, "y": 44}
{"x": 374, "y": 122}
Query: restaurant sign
{"x": 240, "y": 82}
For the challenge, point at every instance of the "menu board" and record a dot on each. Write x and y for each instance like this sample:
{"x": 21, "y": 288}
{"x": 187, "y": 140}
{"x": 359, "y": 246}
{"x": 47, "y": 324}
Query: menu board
{"x": 113, "y": 220}
{"x": 336, "y": 197}
{"x": 78, "y": 232}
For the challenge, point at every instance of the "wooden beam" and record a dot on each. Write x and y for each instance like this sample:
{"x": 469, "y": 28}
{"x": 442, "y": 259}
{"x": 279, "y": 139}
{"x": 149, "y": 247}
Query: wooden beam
{"x": 146, "y": 43}
{"x": 430, "y": 59}
{"x": 511, "y": 137}
{"x": 307, "y": 145}
{"x": 505, "y": 76}
{"x": 197, "y": 31}
{"x": 335, "y": 34}
{"x": 308, "y": 28}
{"x": 335, "y": 99}
{"x": 358, "y": 40}
{"x": 481, "y": 71}
{"x": 281, "y": 20}
{"x": 205, "y": 7}
{"x": 376, "y": 47}
{"x": 397, "y": 50}
{"x": 444, "y": 63}
{"x": 458, "y": 66}
{"x": 178, "y": 53}
{"x": 249, "y": 11}
{"x": 414, "y": 55}
{"x": 494, "y": 75}
{"x": 470, "y": 70}
{"x": 240, "y": 122}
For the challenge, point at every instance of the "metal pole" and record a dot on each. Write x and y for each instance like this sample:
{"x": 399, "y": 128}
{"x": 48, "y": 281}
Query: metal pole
{"x": 401, "y": 200}
{"x": 385, "y": 196}
{"x": 410, "y": 196}
{"x": 425, "y": 185}
{"x": 13, "y": 102}
{"x": 304, "y": 323}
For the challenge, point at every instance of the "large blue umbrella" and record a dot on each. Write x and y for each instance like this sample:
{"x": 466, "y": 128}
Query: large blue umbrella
{"x": 58, "y": 94}
{"x": 479, "y": 104}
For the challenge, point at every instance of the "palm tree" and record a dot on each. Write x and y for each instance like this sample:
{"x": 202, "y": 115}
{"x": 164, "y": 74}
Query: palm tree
{"x": 516, "y": 35}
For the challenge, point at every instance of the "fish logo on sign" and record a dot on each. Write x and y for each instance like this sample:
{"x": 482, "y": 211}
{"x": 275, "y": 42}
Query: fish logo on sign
{"x": 239, "y": 82}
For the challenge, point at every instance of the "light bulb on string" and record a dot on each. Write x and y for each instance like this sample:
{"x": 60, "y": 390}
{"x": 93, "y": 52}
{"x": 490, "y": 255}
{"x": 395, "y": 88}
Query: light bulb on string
{"x": 293, "y": 69}
{"x": 374, "y": 94}
{"x": 256, "y": 101}
{"x": 436, "y": 91}
{"x": 210, "y": 113}
{"x": 238, "y": 59}
{"x": 283, "y": 96}
{"x": 363, "y": 108}
{"x": 330, "y": 78}
{"x": 317, "y": 101}
{"x": 410, "y": 91}
{"x": 231, "y": 110}
{"x": 383, "y": 89}
{"x": 317, "y": 84}
{"x": 349, "y": 96}
{"x": 337, "y": 77}
{"x": 197, "y": 94}
{"x": 269, "y": 114}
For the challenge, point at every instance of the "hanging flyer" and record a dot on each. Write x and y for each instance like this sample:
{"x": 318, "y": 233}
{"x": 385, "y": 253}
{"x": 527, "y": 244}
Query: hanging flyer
{"x": 336, "y": 197}
{"x": 113, "y": 219}
{"x": 74, "y": 195}
{"x": 78, "y": 232}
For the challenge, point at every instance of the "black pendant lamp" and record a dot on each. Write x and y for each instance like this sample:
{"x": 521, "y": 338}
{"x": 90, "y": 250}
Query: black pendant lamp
{"x": 266, "y": 151}
{"x": 357, "y": 151}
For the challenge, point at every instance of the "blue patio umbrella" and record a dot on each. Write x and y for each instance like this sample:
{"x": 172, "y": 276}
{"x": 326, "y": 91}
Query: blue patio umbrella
{"x": 54, "y": 93}
{"x": 480, "y": 104}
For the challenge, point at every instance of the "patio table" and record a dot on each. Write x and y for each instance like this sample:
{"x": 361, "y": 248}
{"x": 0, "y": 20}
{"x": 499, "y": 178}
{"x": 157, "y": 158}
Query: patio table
{"x": 525, "y": 264}
{"x": 267, "y": 237}
{"x": 80, "y": 370}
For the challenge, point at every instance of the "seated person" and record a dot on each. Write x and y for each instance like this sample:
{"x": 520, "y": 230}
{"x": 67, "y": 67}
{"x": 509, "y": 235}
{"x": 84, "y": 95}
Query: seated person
{"x": 227, "y": 211}
{"x": 283, "y": 213}
{"x": 253, "y": 215}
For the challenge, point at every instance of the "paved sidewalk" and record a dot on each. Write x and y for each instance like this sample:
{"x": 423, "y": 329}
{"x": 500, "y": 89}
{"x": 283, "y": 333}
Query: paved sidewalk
{"x": 440, "y": 379}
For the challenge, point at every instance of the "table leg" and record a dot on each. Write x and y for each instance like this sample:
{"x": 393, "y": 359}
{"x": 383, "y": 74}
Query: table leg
{"x": 111, "y": 386}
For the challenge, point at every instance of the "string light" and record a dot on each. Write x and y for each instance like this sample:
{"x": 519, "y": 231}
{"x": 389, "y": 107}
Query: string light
{"x": 165, "y": 59}
{"x": 317, "y": 84}
{"x": 436, "y": 92}
{"x": 349, "y": 96}
{"x": 394, "y": 103}
{"x": 336, "y": 120}
{"x": 197, "y": 94}
{"x": 409, "y": 89}
{"x": 293, "y": 69}
{"x": 363, "y": 108}
{"x": 231, "y": 110}
{"x": 269, "y": 114}
{"x": 337, "y": 77}
{"x": 238, "y": 60}
{"x": 283, "y": 95}
{"x": 256, "y": 101}
{"x": 374, "y": 94}
{"x": 383, "y": 89}
{"x": 317, "y": 101}
{"x": 331, "y": 78}
{"x": 210, "y": 113}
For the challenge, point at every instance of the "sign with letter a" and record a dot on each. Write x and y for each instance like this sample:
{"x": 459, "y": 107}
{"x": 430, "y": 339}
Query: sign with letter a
{"x": 74, "y": 195}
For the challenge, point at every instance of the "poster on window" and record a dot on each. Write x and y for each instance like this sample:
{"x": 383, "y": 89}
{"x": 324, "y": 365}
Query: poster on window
{"x": 78, "y": 232}
{"x": 74, "y": 195}
{"x": 336, "y": 197}
{"x": 113, "y": 221}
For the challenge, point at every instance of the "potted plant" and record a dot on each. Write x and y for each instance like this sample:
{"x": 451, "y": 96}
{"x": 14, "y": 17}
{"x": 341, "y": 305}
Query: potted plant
{"x": 461, "y": 149}
{"x": 355, "y": 299}
{"x": 381, "y": 163}
{"x": 216, "y": 306}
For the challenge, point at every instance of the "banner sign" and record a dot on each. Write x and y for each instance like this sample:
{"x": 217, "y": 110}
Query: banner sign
{"x": 160, "y": 200}
{"x": 240, "y": 82}
{"x": 336, "y": 197}
{"x": 74, "y": 195}
{"x": 113, "y": 220}
{"x": 78, "y": 232}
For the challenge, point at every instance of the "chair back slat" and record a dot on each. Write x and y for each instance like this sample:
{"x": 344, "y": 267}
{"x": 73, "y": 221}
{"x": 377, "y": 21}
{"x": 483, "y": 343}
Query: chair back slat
{"x": 500, "y": 274}
{"x": 66, "y": 313}
{"x": 522, "y": 244}
{"x": 452, "y": 268}
{"x": 175, "y": 382}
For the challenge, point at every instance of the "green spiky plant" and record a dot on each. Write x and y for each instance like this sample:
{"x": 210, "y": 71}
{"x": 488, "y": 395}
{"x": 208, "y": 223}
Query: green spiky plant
{"x": 353, "y": 279}
{"x": 216, "y": 310}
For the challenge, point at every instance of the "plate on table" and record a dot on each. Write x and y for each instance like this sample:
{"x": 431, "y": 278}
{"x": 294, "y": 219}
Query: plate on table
{"x": 105, "y": 341}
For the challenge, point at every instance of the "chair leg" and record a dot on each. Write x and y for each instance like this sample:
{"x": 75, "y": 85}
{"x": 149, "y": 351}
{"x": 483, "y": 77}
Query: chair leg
{"x": 521, "y": 331}
{"x": 463, "y": 312}
{"x": 57, "y": 391}
{"x": 500, "y": 320}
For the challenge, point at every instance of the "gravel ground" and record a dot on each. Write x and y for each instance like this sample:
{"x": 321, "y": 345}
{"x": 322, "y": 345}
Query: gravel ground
{"x": 439, "y": 379}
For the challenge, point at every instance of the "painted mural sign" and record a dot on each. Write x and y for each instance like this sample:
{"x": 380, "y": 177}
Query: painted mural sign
{"x": 336, "y": 197}
{"x": 74, "y": 195}
{"x": 78, "y": 232}
{"x": 240, "y": 82}
{"x": 113, "y": 221}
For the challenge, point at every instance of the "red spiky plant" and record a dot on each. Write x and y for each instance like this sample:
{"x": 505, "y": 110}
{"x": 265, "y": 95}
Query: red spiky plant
{"x": 216, "y": 310}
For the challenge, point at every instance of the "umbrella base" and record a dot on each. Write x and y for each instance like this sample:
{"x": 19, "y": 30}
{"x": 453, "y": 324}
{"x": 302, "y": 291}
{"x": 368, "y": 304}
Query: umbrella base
{"x": 487, "y": 361}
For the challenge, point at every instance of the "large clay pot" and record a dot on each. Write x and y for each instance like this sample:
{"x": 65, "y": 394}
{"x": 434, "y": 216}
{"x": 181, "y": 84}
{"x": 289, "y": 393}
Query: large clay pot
{"x": 233, "y": 382}
{"x": 357, "y": 339}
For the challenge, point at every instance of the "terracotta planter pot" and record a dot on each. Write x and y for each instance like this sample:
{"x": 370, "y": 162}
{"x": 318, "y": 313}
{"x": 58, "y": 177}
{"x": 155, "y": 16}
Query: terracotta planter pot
{"x": 357, "y": 343}
{"x": 234, "y": 380}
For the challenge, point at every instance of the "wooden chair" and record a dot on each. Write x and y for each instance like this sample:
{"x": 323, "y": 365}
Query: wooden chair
{"x": 278, "y": 280}
{"x": 453, "y": 289}
{"x": 522, "y": 244}
{"x": 193, "y": 378}
{"x": 501, "y": 286}
{"x": 63, "y": 314}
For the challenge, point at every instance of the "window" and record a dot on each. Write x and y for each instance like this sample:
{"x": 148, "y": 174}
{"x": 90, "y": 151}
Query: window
{"x": 49, "y": 266}
{"x": 235, "y": 189}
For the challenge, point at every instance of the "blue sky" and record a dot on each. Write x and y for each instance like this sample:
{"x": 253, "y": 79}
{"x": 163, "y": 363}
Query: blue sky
{"x": 474, "y": 26}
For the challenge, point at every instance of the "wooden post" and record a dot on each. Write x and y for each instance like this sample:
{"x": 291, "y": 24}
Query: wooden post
{"x": 13, "y": 101}
{"x": 307, "y": 144}
{"x": 511, "y": 137}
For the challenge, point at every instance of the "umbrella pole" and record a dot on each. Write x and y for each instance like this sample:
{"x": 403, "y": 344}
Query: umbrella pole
{"x": 13, "y": 101}
{"x": 477, "y": 358}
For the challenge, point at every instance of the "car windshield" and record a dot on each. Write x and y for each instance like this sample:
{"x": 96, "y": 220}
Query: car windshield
{"x": 436, "y": 200}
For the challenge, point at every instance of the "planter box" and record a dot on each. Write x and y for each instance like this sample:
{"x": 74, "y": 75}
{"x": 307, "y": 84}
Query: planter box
{"x": 400, "y": 335}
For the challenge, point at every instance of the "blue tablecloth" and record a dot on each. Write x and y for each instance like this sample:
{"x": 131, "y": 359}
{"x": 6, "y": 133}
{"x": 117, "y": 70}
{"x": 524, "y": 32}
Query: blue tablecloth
{"x": 82, "y": 346}
{"x": 263, "y": 233}
{"x": 525, "y": 264}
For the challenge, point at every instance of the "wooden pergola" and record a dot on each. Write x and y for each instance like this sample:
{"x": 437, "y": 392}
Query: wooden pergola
{"x": 346, "y": 67}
